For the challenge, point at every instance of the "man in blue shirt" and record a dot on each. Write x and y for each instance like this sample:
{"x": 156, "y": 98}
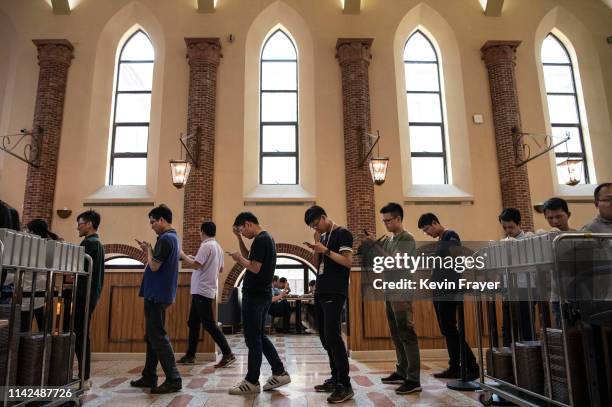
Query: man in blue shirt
{"x": 158, "y": 288}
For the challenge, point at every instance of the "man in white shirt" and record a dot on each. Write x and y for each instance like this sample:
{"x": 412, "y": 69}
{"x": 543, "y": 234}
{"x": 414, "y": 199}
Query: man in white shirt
{"x": 207, "y": 264}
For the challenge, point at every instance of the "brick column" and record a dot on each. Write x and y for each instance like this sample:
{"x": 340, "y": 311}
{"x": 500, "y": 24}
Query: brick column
{"x": 54, "y": 57}
{"x": 499, "y": 57}
{"x": 203, "y": 55}
{"x": 354, "y": 58}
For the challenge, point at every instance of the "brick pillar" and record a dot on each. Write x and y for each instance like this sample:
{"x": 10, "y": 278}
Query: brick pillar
{"x": 203, "y": 55}
{"x": 354, "y": 58}
{"x": 499, "y": 57}
{"x": 54, "y": 57}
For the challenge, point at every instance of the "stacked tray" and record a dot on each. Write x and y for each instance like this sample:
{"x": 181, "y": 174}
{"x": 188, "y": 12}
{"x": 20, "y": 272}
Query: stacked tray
{"x": 61, "y": 362}
{"x": 31, "y": 359}
{"x": 529, "y": 367}
{"x": 5, "y": 313}
{"x": 499, "y": 364}
{"x": 558, "y": 372}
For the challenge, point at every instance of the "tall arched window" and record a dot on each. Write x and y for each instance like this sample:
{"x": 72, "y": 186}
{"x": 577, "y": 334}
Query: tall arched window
{"x": 130, "y": 133}
{"x": 425, "y": 117}
{"x": 278, "y": 120}
{"x": 563, "y": 110}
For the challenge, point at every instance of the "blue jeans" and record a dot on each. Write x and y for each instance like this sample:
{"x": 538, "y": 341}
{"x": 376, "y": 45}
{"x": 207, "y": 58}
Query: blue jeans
{"x": 159, "y": 348}
{"x": 254, "y": 311}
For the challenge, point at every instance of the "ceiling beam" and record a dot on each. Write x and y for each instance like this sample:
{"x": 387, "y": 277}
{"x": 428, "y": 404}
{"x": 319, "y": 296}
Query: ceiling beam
{"x": 206, "y": 6}
{"x": 352, "y": 7}
{"x": 492, "y": 8}
{"x": 60, "y": 7}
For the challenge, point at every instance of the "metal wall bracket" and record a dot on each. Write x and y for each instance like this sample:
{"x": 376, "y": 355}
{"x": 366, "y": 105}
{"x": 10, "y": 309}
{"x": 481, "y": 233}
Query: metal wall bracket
{"x": 32, "y": 148}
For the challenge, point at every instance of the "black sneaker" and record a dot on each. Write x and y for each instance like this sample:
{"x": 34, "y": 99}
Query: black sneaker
{"x": 143, "y": 383}
{"x": 328, "y": 386}
{"x": 473, "y": 374}
{"x": 393, "y": 378}
{"x": 186, "y": 360}
{"x": 226, "y": 360}
{"x": 408, "y": 387}
{"x": 449, "y": 373}
{"x": 168, "y": 387}
{"x": 341, "y": 394}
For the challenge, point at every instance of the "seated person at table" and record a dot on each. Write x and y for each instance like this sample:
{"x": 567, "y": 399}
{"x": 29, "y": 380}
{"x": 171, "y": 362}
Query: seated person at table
{"x": 280, "y": 307}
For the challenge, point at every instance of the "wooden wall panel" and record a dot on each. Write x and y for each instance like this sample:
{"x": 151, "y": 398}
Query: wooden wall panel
{"x": 118, "y": 326}
{"x": 369, "y": 329}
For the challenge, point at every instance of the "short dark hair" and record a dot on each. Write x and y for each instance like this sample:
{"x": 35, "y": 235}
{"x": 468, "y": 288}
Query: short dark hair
{"x": 427, "y": 219}
{"x": 394, "y": 209}
{"x": 599, "y": 188}
{"x": 209, "y": 228}
{"x": 161, "y": 211}
{"x": 510, "y": 215}
{"x": 312, "y": 282}
{"x": 244, "y": 217}
{"x": 90, "y": 216}
{"x": 313, "y": 213}
{"x": 39, "y": 227}
{"x": 282, "y": 280}
{"x": 555, "y": 203}
{"x": 275, "y": 278}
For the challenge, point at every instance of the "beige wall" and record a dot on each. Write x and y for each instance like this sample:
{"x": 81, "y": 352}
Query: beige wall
{"x": 95, "y": 28}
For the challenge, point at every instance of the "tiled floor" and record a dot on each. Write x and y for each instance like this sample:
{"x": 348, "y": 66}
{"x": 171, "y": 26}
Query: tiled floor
{"x": 305, "y": 361}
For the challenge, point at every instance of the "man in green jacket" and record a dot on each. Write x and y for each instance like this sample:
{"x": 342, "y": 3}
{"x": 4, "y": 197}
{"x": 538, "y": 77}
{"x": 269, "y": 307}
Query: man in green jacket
{"x": 399, "y": 305}
{"x": 88, "y": 223}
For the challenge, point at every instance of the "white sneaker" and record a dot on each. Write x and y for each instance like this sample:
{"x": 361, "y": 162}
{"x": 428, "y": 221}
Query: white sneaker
{"x": 277, "y": 381}
{"x": 87, "y": 385}
{"x": 245, "y": 387}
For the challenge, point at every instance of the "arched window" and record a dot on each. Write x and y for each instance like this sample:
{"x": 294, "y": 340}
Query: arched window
{"x": 278, "y": 120}
{"x": 122, "y": 262}
{"x": 563, "y": 110}
{"x": 297, "y": 273}
{"x": 425, "y": 117}
{"x": 130, "y": 132}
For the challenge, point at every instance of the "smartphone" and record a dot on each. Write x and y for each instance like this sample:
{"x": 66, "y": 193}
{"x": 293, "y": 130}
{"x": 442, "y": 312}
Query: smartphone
{"x": 366, "y": 232}
{"x": 138, "y": 241}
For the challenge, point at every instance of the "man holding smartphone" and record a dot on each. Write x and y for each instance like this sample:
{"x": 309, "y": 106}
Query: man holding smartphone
{"x": 333, "y": 257}
{"x": 260, "y": 263}
{"x": 158, "y": 288}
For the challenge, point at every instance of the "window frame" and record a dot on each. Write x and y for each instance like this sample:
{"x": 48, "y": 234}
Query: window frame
{"x": 441, "y": 124}
{"x": 567, "y": 155}
{"x": 116, "y": 124}
{"x": 303, "y": 265}
{"x": 295, "y": 124}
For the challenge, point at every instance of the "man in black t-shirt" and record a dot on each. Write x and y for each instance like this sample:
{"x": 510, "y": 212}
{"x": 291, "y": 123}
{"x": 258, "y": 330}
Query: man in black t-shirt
{"x": 445, "y": 305}
{"x": 259, "y": 262}
{"x": 333, "y": 257}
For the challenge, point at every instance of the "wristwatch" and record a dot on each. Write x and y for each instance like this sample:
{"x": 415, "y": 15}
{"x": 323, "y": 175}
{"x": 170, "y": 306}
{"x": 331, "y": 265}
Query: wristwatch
{"x": 327, "y": 252}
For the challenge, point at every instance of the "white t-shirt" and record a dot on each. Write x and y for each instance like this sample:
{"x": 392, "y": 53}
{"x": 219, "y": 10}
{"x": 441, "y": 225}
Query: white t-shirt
{"x": 204, "y": 279}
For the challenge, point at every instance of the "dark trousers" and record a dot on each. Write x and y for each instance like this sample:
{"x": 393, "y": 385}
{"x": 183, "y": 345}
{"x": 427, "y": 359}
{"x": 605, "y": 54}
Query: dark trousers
{"x": 82, "y": 336}
{"x": 254, "y": 312}
{"x": 328, "y": 308}
{"x": 159, "y": 348}
{"x": 281, "y": 309}
{"x": 201, "y": 312}
{"x": 446, "y": 313}
{"x": 39, "y": 316}
{"x": 520, "y": 317}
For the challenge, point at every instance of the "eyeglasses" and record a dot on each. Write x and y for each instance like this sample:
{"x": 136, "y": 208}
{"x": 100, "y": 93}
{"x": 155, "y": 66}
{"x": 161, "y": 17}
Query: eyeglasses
{"x": 81, "y": 223}
{"x": 314, "y": 223}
